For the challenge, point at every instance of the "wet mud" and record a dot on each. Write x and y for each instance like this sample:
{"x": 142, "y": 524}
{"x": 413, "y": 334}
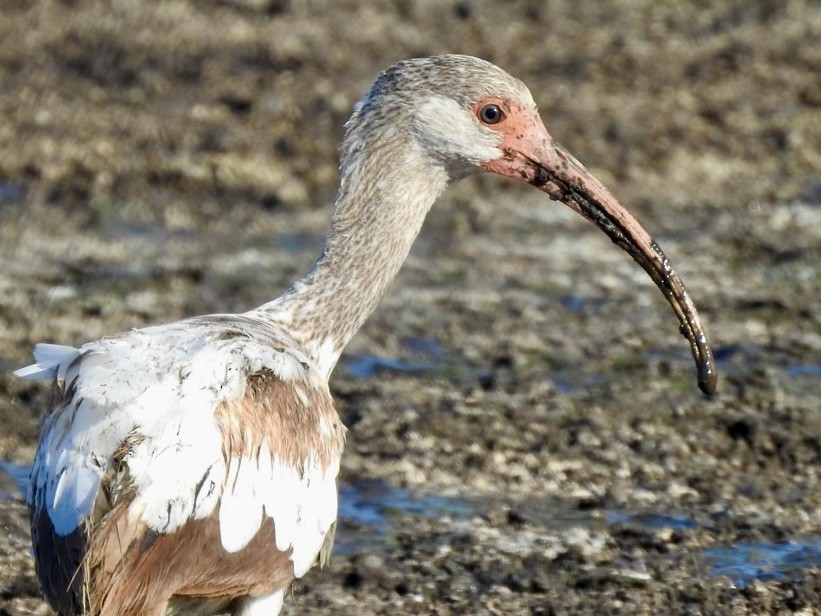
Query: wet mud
{"x": 525, "y": 431}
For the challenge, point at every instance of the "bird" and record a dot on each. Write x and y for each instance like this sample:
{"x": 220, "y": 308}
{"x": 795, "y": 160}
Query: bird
{"x": 191, "y": 467}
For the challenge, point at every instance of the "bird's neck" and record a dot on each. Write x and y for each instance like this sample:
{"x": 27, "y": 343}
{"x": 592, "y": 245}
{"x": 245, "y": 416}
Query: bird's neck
{"x": 384, "y": 196}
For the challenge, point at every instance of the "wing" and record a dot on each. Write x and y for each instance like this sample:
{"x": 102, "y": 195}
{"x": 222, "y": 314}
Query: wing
{"x": 220, "y": 416}
{"x": 282, "y": 444}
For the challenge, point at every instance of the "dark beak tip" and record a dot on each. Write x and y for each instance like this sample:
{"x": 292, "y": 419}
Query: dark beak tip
{"x": 708, "y": 383}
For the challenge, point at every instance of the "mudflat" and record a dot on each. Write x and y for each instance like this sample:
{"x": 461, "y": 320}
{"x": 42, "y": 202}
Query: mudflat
{"x": 525, "y": 431}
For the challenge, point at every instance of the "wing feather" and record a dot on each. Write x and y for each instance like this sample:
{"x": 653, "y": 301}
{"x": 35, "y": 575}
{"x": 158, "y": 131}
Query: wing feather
{"x": 241, "y": 510}
{"x": 217, "y": 416}
{"x": 49, "y": 358}
{"x": 289, "y": 440}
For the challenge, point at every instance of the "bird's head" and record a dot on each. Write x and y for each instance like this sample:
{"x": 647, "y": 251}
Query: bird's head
{"x": 461, "y": 115}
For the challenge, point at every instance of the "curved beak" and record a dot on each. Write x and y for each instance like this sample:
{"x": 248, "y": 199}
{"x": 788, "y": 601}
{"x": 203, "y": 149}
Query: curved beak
{"x": 531, "y": 155}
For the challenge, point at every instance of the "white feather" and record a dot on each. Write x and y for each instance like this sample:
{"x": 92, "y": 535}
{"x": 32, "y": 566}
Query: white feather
{"x": 302, "y": 504}
{"x": 318, "y": 509}
{"x": 241, "y": 509}
{"x": 74, "y": 493}
{"x": 156, "y": 390}
{"x": 281, "y": 502}
{"x": 207, "y": 497}
{"x": 49, "y": 357}
{"x": 266, "y": 605}
{"x": 442, "y": 125}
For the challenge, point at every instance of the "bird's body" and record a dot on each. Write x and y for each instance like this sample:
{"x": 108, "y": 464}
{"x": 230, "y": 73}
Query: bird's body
{"x": 191, "y": 467}
{"x": 202, "y": 406}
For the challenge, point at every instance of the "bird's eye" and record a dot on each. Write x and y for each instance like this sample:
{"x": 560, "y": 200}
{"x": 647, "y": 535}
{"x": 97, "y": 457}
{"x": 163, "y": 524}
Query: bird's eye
{"x": 491, "y": 114}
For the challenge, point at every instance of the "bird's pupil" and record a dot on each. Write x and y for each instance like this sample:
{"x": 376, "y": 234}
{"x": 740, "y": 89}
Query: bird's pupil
{"x": 491, "y": 114}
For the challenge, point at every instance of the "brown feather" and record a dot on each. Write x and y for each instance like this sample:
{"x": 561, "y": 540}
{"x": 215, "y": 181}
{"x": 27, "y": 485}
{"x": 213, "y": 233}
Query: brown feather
{"x": 117, "y": 566}
{"x": 273, "y": 412}
{"x": 128, "y": 579}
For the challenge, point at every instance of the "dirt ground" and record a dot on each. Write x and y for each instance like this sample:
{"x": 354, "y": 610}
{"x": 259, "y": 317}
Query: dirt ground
{"x": 160, "y": 160}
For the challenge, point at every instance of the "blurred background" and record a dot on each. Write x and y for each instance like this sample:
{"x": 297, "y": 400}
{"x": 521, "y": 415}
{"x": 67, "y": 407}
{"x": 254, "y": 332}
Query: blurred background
{"x": 525, "y": 431}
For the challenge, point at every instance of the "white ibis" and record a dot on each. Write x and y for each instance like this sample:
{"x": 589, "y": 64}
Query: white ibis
{"x": 191, "y": 467}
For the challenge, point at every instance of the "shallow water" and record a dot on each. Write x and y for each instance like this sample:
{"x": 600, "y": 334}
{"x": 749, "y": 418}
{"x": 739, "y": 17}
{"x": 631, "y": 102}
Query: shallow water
{"x": 374, "y": 506}
{"x": 369, "y": 511}
{"x": 649, "y": 520}
{"x": 372, "y": 512}
{"x": 11, "y": 193}
{"x": 744, "y": 563}
{"x": 804, "y": 370}
{"x": 366, "y": 366}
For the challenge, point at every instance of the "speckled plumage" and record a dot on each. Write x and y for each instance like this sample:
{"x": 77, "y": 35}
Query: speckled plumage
{"x": 398, "y": 155}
